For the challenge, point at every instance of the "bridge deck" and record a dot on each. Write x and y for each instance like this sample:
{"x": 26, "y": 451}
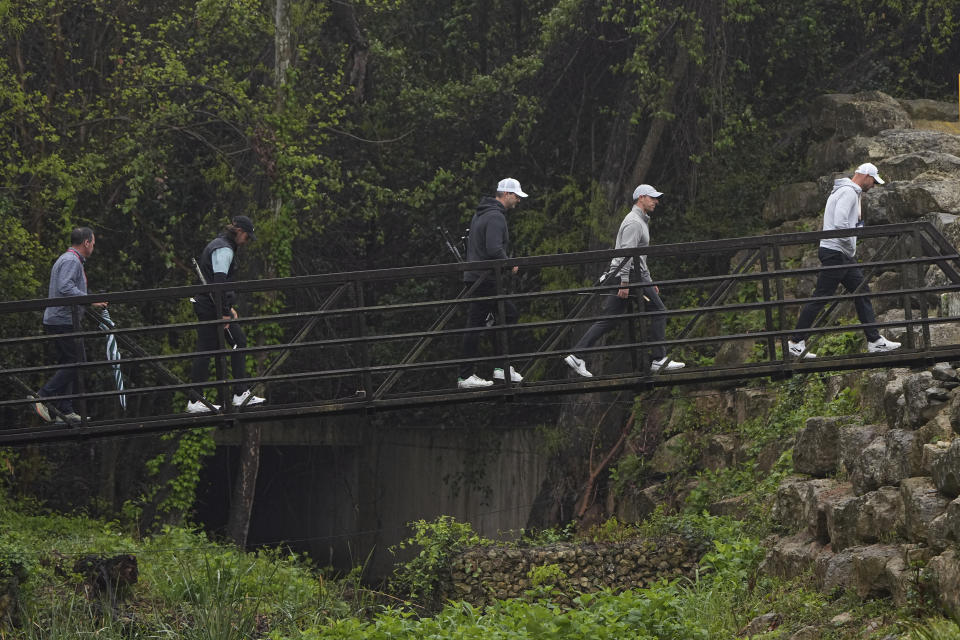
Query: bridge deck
{"x": 373, "y": 351}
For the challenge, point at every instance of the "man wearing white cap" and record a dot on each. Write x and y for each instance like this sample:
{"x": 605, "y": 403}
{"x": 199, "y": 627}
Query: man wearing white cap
{"x": 488, "y": 240}
{"x": 634, "y": 232}
{"x": 842, "y": 212}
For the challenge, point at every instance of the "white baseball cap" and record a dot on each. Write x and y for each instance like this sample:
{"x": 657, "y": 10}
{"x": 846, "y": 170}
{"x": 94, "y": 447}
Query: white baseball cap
{"x": 870, "y": 169}
{"x": 646, "y": 190}
{"x": 509, "y": 185}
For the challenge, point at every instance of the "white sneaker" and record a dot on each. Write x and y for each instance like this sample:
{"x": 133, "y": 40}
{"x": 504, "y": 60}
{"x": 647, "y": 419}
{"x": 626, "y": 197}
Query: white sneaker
{"x": 578, "y": 365}
{"x": 195, "y": 406}
{"x": 662, "y": 363}
{"x": 70, "y": 418}
{"x": 473, "y": 382}
{"x": 514, "y": 376}
{"x": 882, "y": 344}
{"x": 240, "y": 399}
{"x": 797, "y": 349}
{"x": 40, "y": 409}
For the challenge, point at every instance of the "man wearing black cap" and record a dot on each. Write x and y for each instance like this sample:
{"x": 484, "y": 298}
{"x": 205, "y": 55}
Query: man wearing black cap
{"x": 217, "y": 265}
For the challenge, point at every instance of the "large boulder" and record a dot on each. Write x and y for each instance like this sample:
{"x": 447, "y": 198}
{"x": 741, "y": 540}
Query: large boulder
{"x": 909, "y": 201}
{"x": 834, "y": 571}
{"x": 944, "y": 530}
{"x": 858, "y": 520}
{"x": 933, "y": 454}
{"x": 924, "y": 109}
{"x": 873, "y": 392}
{"x": 634, "y": 504}
{"x": 799, "y": 504}
{"x": 871, "y": 571}
{"x": 817, "y": 448}
{"x": 894, "y": 142}
{"x": 945, "y": 470}
{"x": 855, "y": 438}
{"x": 897, "y": 455}
{"x": 843, "y": 115}
{"x": 792, "y": 556}
{"x": 720, "y": 452}
{"x": 793, "y": 201}
{"x": 907, "y": 166}
{"x": 870, "y": 576}
{"x": 921, "y": 504}
{"x": 944, "y": 572}
{"x": 906, "y": 400}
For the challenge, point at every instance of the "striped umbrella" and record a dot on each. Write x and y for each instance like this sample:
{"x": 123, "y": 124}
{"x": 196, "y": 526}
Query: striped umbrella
{"x": 113, "y": 353}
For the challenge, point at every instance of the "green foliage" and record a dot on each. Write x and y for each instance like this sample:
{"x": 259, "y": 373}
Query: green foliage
{"x": 176, "y": 477}
{"x": 438, "y": 541}
{"x": 941, "y": 629}
{"x": 611, "y": 530}
{"x": 735, "y": 560}
{"x": 543, "y": 537}
{"x": 188, "y": 587}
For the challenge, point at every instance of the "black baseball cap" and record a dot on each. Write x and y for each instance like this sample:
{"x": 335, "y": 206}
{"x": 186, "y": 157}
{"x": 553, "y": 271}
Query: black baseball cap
{"x": 246, "y": 224}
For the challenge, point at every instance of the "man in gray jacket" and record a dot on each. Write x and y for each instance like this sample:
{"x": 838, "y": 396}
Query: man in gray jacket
{"x": 842, "y": 212}
{"x": 634, "y": 232}
{"x": 67, "y": 278}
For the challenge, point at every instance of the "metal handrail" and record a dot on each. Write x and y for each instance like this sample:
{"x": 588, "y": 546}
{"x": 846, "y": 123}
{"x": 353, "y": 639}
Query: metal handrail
{"x": 366, "y": 333}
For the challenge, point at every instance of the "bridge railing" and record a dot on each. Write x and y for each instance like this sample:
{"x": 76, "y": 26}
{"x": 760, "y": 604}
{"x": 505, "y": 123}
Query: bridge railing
{"x": 391, "y": 337}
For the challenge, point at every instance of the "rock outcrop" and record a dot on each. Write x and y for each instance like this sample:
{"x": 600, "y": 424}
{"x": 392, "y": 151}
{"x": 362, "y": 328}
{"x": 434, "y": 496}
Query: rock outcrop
{"x": 877, "y": 509}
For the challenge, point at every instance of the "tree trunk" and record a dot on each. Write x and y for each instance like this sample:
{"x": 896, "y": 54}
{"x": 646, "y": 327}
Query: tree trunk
{"x": 244, "y": 488}
{"x": 345, "y": 15}
{"x": 659, "y": 124}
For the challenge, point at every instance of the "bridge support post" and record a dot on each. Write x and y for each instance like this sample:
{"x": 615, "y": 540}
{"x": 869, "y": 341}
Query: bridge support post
{"x": 501, "y": 338}
{"x": 361, "y": 330}
{"x": 224, "y": 398}
{"x": 767, "y": 311}
{"x": 906, "y": 271}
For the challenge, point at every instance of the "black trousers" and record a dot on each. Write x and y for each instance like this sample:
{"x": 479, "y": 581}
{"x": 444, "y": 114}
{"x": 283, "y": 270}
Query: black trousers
{"x": 827, "y": 282}
{"x": 208, "y": 340}
{"x": 477, "y": 317}
{"x": 68, "y": 351}
{"x": 613, "y": 305}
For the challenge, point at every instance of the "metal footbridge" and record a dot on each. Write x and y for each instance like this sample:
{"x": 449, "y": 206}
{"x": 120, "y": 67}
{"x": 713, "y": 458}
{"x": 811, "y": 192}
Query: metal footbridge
{"x": 370, "y": 341}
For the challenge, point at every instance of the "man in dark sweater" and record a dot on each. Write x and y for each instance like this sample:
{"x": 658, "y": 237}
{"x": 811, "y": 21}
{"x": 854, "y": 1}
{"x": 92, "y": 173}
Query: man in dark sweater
{"x": 488, "y": 240}
{"x": 217, "y": 264}
{"x": 67, "y": 278}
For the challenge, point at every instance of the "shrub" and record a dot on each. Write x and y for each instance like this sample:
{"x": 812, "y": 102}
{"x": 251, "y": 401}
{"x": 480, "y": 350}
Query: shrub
{"x": 422, "y": 577}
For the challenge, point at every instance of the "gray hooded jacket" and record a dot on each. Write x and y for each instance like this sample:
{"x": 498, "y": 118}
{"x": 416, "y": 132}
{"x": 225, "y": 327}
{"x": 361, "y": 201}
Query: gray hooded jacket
{"x": 842, "y": 212}
{"x": 634, "y": 232}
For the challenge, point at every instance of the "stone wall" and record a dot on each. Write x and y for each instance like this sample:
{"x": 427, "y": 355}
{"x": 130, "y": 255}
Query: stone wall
{"x": 482, "y": 574}
{"x": 877, "y": 510}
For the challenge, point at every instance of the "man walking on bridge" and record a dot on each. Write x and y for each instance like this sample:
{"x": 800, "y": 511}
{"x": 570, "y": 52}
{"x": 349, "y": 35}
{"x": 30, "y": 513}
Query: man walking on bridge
{"x": 842, "y": 212}
{"x": 67, "y": 278}
{"x": 217, "y": 264}
{"x": 634, "y": 232}
{"x": 488, "y": 240}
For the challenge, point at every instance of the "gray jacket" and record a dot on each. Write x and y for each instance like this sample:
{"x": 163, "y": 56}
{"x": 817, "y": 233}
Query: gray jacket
{"x": 67, "y": 278}
{"x": 842, "y": 212}
{"x": 634, "y": 232}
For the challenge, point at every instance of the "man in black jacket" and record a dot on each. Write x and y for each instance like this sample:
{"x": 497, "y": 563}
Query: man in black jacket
{"x": 217, "y": 264}
{"x": 488, "y": 240}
